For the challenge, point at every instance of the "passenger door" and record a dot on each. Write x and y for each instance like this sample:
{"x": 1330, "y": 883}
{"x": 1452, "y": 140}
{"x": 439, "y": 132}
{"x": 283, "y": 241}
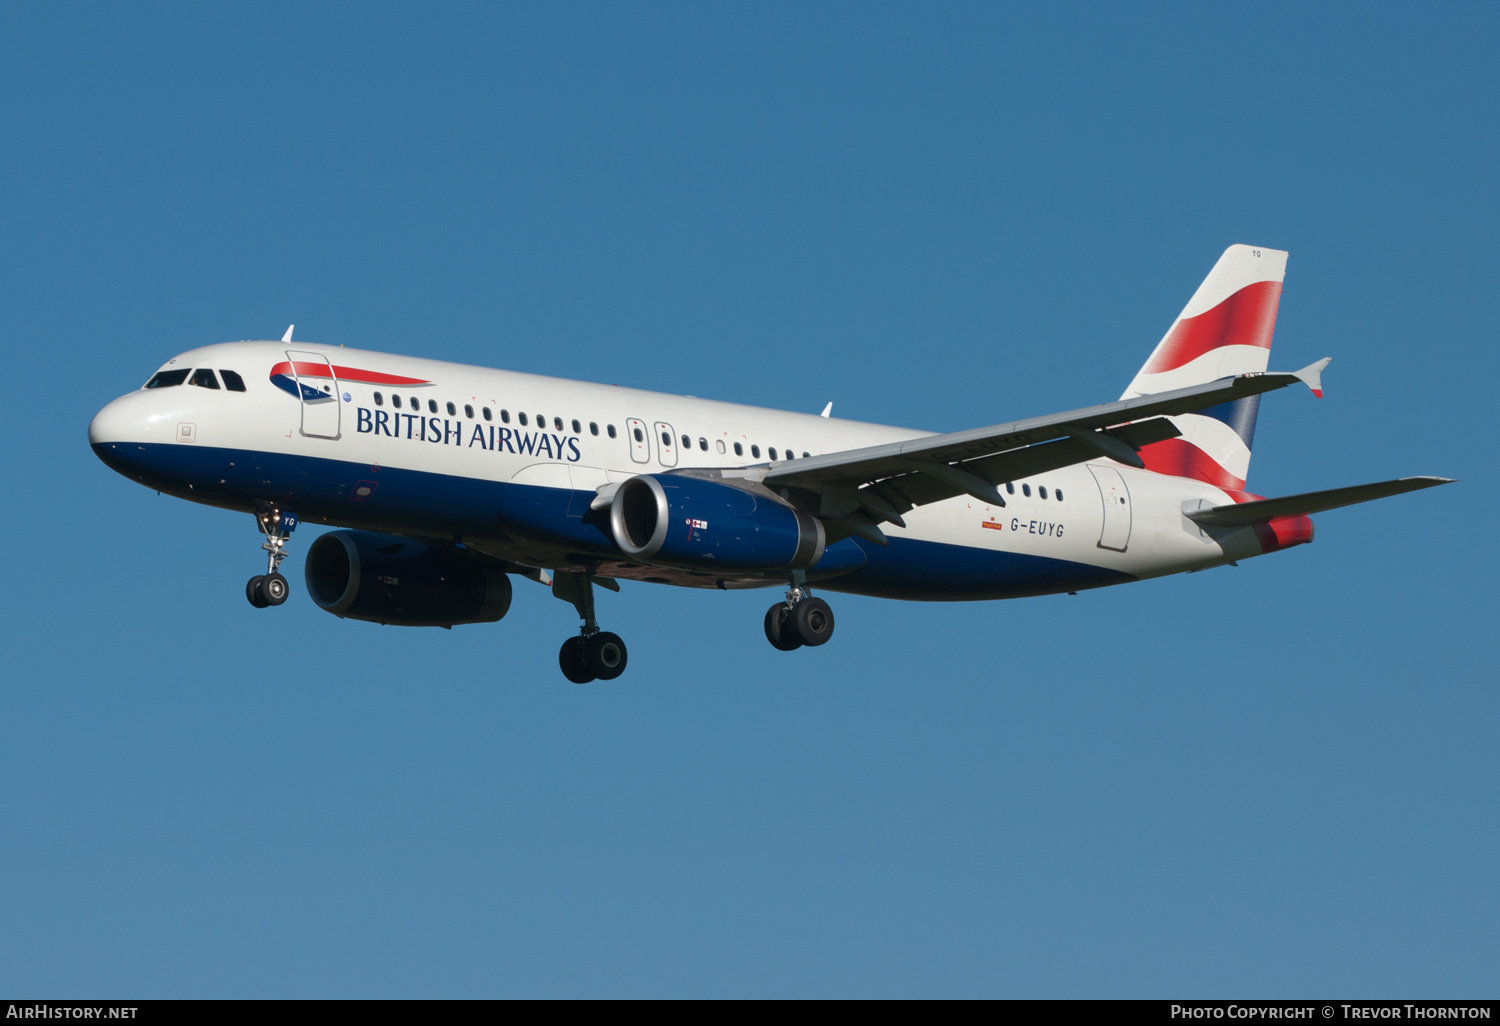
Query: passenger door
{"x": 1116, "y": 499}
{"x": 319, "y": 390}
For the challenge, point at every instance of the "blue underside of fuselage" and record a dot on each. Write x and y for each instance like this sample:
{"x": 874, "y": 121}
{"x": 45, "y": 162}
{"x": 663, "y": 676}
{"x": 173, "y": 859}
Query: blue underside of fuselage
{"x": 418, "y": 502}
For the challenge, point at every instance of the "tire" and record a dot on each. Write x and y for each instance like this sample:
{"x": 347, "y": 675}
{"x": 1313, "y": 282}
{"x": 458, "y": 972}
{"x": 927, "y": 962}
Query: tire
{"x": 605, "y": 656}
{"x": 570, "y": 658}
{"x": 777, "y": 630}
{"x": 255, "y": 594}
{"x": 275, "y": 589}
{"x": 812, "y": 621}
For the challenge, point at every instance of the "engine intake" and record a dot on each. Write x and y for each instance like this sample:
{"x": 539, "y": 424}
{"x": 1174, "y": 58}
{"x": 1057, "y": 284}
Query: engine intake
{"x": 694, "y": 523}
{"x": 392, "y": 580}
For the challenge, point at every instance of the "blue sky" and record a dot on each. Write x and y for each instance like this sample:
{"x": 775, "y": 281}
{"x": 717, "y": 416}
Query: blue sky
{"x": 1276, "y": 780}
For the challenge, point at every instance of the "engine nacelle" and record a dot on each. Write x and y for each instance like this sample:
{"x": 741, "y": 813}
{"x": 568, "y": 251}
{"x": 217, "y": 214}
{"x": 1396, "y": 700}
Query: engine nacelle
{"x": 695, "y": 523}
{"x": 391, "y": 580}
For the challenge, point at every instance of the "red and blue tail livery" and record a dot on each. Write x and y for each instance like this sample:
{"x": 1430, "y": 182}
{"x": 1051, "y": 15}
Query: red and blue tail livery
{"x": 446, "y": 483}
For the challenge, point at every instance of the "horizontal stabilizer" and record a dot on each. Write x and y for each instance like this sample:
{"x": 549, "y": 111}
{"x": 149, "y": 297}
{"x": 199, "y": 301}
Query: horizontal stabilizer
{"x": 1245, "y": 514}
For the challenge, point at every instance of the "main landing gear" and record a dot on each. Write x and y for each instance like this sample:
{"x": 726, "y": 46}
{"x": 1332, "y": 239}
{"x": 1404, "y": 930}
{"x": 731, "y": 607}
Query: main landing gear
{"x": 270, "y": 588}
{"x": 594, "y": 654}
{"x": 800, "y": 620}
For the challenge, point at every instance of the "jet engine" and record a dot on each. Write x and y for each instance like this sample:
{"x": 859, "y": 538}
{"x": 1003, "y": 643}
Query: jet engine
{"x": 392, "y": 580}
{"x": 696, "y": 523}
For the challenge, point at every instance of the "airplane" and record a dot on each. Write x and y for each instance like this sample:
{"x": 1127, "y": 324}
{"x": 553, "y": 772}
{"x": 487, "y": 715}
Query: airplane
{"x": 447, "y": 480}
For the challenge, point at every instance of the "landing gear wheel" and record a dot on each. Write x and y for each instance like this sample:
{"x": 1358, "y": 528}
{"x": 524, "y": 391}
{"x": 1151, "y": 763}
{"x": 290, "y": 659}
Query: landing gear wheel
{"x": 812, "y": 621}
{"x": 778, "y": 631}
{"x": 605, "y": 656}
{"x": 255, "y": 594}
{"x": 274, "y": 589}
{"x": 571, "y": 659}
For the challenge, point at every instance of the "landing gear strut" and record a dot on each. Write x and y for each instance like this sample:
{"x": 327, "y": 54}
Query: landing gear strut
{"x": 594, "y": 654}
{"x": 800, "y": 620}
{"x": 270, "y": 588}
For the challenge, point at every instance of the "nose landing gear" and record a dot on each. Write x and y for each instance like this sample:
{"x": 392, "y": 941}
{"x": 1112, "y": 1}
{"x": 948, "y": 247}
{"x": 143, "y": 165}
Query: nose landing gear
{"x": 270, "y": 588}
{"x": 594, "y": 654}
{"x": 800, "y": 620}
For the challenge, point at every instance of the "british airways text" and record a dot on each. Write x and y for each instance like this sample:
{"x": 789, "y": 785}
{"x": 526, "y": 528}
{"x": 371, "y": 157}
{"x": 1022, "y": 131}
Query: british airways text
{"x": 441, "y": 431}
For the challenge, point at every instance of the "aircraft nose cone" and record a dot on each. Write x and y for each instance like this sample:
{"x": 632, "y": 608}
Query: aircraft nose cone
{"x": 127, "y": 419}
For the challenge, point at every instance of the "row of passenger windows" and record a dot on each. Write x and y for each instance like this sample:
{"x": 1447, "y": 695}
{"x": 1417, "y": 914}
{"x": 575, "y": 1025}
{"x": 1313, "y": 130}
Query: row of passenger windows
{"x": 202, "y": 377}
{"x": 1041, "y": 491}
{"x": 541, "y": 421}
{"x": 412, "y": 402}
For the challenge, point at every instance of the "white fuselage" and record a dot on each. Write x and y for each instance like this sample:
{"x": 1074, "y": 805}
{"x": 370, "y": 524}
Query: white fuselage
{"x": 510, "y": 471}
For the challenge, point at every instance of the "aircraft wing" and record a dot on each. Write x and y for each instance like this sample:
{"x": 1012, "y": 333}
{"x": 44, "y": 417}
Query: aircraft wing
{"x": 1244, "y": 514}
{"x": 863, "y": 487}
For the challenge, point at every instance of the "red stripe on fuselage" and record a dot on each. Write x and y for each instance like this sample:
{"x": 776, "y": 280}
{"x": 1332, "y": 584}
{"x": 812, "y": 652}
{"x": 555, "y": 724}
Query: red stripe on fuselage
{"x": 305, "y": 369}
{"x": 1283, "y": 532}
{"x": 1184, "y": 459}
{"x": 1246, "y": 318}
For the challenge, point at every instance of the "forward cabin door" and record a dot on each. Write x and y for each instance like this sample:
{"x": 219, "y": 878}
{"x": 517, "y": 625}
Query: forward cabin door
{"x": 319, "y": 390}
{"x": 666, "y": 450}
{"x": 1116, "y": 498}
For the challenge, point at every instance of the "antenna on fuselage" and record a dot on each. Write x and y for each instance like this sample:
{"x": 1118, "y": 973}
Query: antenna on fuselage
{"x": 288, "y": 336}
{"x": 827, "y": 410}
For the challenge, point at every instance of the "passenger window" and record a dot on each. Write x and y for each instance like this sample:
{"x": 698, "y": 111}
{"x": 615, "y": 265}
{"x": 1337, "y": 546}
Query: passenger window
{"x": 396, "y": 401}
{"x": 739, "y": 450}
{"x": 1010, "y": 488}
{"x": 1026, "y": 490}
{"x": 416, "y": 403}
{"x": 505, "y": 416}
{"x": 611, "y": 429}
{"x": 687, "y": 443}
{"x": 557, "y": 424}
{"x": 452, "y": 410}
{"x": 379, "y": 399}
{"x": 719, "y": 444}
{"x": 804, "y": 455}
{"x": 703, "y": 444}
{"x": 755, "y": 451}
{"x": 1058, "y": 493}
{"x": 666, "y": 440}
{"x": 577, "y": 428}
{"x": 432, "y": 405}
{"x": 1042, "y": 491}
{"x": 771, "y": 452}
{"x": 522, "y": 418}
{"x": 593, "y": 428}
{"x": 541, "y": 421}
{"x": 638, "y": 436}
{"x": 487, "y": 414}
{"x": 232, "y": 381}
{"x": 204, "y": 378}
{"x": 468, "y": 411}
{"x": 167, "y": 379}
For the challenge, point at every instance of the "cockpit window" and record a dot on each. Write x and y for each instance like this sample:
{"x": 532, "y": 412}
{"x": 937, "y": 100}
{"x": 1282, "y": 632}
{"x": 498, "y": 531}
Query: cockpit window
{"x": 168, "y": 378}
{"x": 232, "y": 381}
{"x": 204, "y": 378}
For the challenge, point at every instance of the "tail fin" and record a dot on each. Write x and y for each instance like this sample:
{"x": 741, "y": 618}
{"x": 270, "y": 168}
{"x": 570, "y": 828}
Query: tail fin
{"x": 1224, "y": 329}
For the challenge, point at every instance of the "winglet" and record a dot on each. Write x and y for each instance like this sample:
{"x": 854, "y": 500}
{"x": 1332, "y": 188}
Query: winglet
{"x": 1312, "y": 375}
{"x": 827, "y": 410}
{"x": 288, "y": 336}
